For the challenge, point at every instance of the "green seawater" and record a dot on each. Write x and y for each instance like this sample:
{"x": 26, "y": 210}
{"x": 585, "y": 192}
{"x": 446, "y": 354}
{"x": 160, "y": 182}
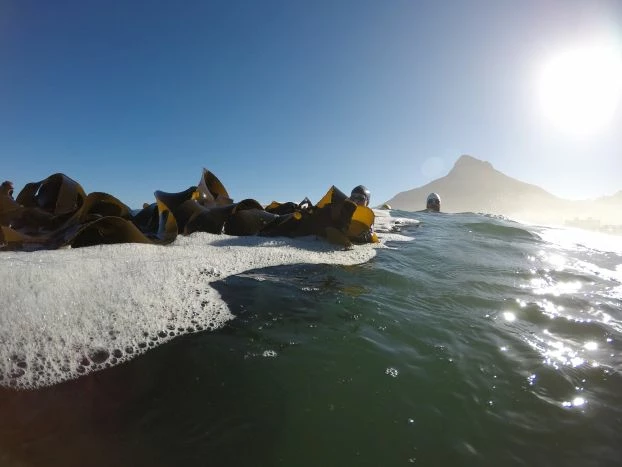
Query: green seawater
{"x": 482, "y": 342}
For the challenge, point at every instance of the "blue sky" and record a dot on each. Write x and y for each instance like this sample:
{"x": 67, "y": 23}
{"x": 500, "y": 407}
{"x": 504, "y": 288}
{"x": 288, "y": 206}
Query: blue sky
{"x": 282, "y": 99}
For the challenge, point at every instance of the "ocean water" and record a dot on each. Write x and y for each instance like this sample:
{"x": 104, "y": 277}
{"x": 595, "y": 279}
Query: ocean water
{"x": 463, "y": 340}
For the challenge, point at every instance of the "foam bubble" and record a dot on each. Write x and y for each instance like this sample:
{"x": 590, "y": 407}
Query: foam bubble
{"x": 69, "y": 312}
{"x": 385, "y": 224}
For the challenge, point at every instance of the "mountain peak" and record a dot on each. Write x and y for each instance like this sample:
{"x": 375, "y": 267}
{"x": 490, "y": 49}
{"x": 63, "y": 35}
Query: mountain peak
{"x": 466, "y": 162}
{"x": 473, "y": 185}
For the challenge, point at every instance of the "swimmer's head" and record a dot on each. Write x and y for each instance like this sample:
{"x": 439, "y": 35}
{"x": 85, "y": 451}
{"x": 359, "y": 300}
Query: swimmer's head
{"x": 433, "y": 203}
{"x": 360, "y": 195}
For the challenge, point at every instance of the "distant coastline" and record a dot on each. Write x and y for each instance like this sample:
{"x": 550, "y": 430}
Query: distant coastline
{"x": 591, "y": 223}
{"x": 473, "y": 185}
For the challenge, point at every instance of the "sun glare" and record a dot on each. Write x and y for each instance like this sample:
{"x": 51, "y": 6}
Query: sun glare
{"x": 580, "y": 89}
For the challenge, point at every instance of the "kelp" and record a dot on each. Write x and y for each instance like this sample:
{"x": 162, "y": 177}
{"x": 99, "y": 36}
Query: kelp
{"x": 56, "y": 212}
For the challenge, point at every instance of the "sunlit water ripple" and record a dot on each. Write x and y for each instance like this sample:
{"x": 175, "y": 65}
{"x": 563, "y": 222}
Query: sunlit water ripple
{"x": 481, "y": 342}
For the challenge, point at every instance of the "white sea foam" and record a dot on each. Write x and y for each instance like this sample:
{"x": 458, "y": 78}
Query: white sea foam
{"x": 569, "y": 237}
{"x": 73, "y": 311}
{"x": 607, "y": 247}
{"x": 386, "y": 223}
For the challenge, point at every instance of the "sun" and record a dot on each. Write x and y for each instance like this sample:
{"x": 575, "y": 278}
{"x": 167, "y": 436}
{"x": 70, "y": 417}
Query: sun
{"x": 580, "y": 88}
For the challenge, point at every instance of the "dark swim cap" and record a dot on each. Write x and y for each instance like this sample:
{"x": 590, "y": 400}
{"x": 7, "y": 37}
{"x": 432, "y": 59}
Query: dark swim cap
{"x": 433, "y": 200}
{"x": 359, "y": 193}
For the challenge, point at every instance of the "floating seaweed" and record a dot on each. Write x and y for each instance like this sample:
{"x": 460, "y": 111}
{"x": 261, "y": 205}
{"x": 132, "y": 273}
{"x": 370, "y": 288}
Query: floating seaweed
{"x": 56, "y": 212}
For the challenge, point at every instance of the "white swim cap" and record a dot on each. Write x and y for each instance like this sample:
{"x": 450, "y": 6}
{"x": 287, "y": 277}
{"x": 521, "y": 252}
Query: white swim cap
{"x": 433, "y": 197}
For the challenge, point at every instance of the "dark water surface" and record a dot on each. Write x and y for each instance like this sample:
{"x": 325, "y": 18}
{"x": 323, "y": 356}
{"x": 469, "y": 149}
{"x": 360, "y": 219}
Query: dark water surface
{"x": 482, "y": 342}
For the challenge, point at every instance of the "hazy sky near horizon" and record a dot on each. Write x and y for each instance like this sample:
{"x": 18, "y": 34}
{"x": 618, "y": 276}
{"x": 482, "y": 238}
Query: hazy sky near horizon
{"x": 282, "y": 99}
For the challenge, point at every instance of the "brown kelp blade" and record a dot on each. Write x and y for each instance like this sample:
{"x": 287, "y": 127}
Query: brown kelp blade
{"x": 282, "y": 208}
{"x": 336, "y": 211}
{"x": 168, "y": 229}
{"x": 42, "y": 207}
{"x": 337, "y": 237}
{"x": 154, "y": 218}
{"x": 181, "y": 204}
{"x": 11, "y": 239}
{"x": 147, "y": 219}
{"x": 9, "y": 209}
{"x": 192, "y": 216}
{"x": 39, "y": 229}
{"x": 209, "y": 219}
{"x": 248, "y": 222}
{"x": 333, "y": 210}
{"x": 174, "y": 200}
{"x": 57, "y": 194}
{"x": 98, "y": 204}
{"x": 33, "y": 221}
{"x": 288, "y": 225}
{"x": 295, "y": 220}
{"x": 56, "y": 212}
{"x": 361, "y": 222}
{"x": 247, "y": 218}
{"x": 107, "y": 230}
{"x": 211, "y": 190}
{"x": 332, "y": 196}
{"x": 113, "y": 229}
